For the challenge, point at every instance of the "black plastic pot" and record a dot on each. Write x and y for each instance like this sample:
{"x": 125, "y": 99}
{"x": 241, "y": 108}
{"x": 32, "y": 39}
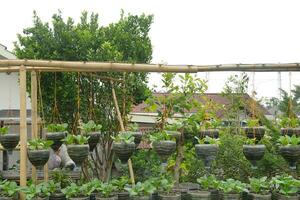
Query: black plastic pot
{"x": 94, "y": 138}
{"x": 123, "y": 150}
{"x": 290, "y": 131}
{"x": 78, "y": 153}
{"x": 80, "y": 198}
{"x": 137, "y": 136}
{"x": 260, "y": 196}
{"x": 57, "y": 196}
{"x": 123, "y": 196}
{"x": 214, "y": 194}
{"x": 228, "y": 196}
{"x": 38, "y": 158}
{"x": 9, "y": 141}
{"x": 291, "y": 154}
{"x": 255, "y": 132}
{"x": 171, "y": 196}
{"x": 199, "y": 195}
{"x": 140, "y": 197}
{"x": 254, "y": 153}
{"x": 99, "y": 197}
{"x": 282, "y": 197}
{"x": 164, "y": 148}
{"x": 57, "y": 138}
{"x": 207, "y": 153}
{"x": 213, "y": 133}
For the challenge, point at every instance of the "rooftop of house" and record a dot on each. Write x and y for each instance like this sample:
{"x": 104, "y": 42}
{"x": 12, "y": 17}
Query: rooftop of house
{"x": 6, "y": 54}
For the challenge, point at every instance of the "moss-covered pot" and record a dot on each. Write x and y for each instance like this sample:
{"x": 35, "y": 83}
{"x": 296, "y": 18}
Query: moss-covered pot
{"x": 282, "y": 197}
{"x": 213, "y": 133}
{"x": 57, "y": 196}
{"x": 164, "y": 148}
{"x": 255, "y": 132}
{"x": 254, "y": 153}
{"x": 171, "y": 196}
{"x": 123, "y": 150}
{"x": 57, "y": 138}
{"x": 199, "y": 195}
{"x": 207, "y": 153}
{"x": 260, "y": 196}
{"x": 94, "y": 138}
{"x": 290, "y": 131}
{"x": 137, "y": 136}
{"x": 78, "y": 153}
{"x": 9, "y": 141}
{"x": 291, "y": 154}
{"x": 123, "y": 196}
{"x": 229, "y": 196}
{"x": 38, "y": 158}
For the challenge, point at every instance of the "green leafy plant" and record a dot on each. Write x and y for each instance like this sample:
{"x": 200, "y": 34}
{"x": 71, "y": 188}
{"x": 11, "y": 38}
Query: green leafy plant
{"x": 286, "y": 122}
{"x": 76, "y": 139}
{"x": 91, "y": 126}
{"x": 259, "y": 185}
{"x": 141, "y": 189}
{"x": 208, "y": 182}
{"x": 176, "y": 126}
{"x": 252, "y": 123}
{"x": 106, "y": 189}
{"x": 208, "y": 140}
{"x": 210, "y": 124}
{"x": 133, "y": 127}
{"x": 57, "y": 127}
{"x": 61, "y": 177}
{"x": 125, "y": 137}
{"x": 72, "y": 190}
{"x": 286, "y": 185}
{"x": 35, "y": 191}
{"x": 250, "y": 141}
{"x": 8, "y": 188}
{"x": 120, "y": 183}
{"x": 160, "y": 136}
{"x": 165, "y": 185}
{"x": 232, "y": 186}
{"x": 4, "y": 130}
{"x": 39, "y": 144}
{"x": 287, "y": 140}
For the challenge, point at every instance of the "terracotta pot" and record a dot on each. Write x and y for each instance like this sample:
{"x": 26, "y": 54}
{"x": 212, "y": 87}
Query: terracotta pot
{"x": 78, "y": 153}
{"x": 137, "y": 136}
{"x": 228, "y": 196}
{"x": 94, "y": 138}
{"x": 123, "y": 196}
{"x": 260, "y": 196}
{"x": 207, "y": 153}
{"x": 290, "y": 131}
{"x": 254, "y": 153}
{"x": 57, "y": 138}
{"x": 291, "y": 154}
{"x": 255, "y": 132}
{"x": 38, "y": 158}
{"x": 9, "y": 141}
{"x": 171, "y": 196}
{"x": 164, "y": 148}
{"x": 174, "y": 134}
{"x": 123, "y": 150}
{"x": 282, "y": 197}
{"x": 57, "y": 196}
{"x": 199, "y": 195}
{"x": 213, "y": 133}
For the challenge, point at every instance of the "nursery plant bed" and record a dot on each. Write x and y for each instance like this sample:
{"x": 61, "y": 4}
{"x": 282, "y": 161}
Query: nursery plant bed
{"x": 123, "y": 150}
{"x": 254, "y": 132}
{"x": 9, "y": 141}
{"x": 78, "y": 153}
{"x": 213, "y": 133}
{"x": 290, "y": 131}
{"x": 291, "y": 154}
{"x": 38, "y": 158}
{"x": 207, "y": 153}
{"x": 94, "y": 138}
{"x": 254, "y": 153}
{"x": 57, "y": 138}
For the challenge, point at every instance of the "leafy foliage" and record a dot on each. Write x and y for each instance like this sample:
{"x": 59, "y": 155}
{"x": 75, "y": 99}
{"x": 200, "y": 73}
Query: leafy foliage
{"x": 72, "y": 190}
{"x": 253, "y": 122}
{"x": 286, "y": 185}
{"x": 125, "y": 137}
{"x": 259, "y": 185}
{"x": 250, "y": 141}
{"x": 141, "y": 189}
{"x": 208, "y": 182}
{"x": 76, "y": 139}
{"x": 4, "y": 130}
{"x": 286, "y": 122}
{"x": 90, "y": 126}
{"x": 61, "y": 177}
{"x": 208, "y": 140}
{"x": 133, "y": 127}
{"x": 106, "y": 189}
{"x": 39, "y": 144}
{"x": 160, "y": 136}
{"x": 232, "y": 186}
{"x": 287, "y": 140}
{"x": 120, "y": 183}
{"x": 57, "y": 127}
{"x": 8, "y": 188}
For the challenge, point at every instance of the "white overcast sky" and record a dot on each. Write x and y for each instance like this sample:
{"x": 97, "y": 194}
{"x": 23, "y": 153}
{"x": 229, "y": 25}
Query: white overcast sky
{"x": 190, "y": 32}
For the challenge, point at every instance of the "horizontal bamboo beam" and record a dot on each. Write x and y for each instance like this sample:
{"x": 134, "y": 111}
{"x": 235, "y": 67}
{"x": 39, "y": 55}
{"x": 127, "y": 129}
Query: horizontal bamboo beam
{"x": 64, "y": 66}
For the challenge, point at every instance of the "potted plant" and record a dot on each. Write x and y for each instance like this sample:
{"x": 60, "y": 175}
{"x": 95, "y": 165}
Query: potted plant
{"x": 56, "y": 133}
{"x": 92, "y": 130}
{"x": 141, "y": 191}
{"x": 78, "y": 149}
{"x": 38, "y": 152}
{"x": 287, "y": 187}
{"x": 105, "y": 191}
{"x": 253, "y": 152}
{"x": 54, "y": 191}
{"x": 9, "y": 190}
{"x": 290, "y": 149}
{"x": 163, "y": 144}
{"x": 60, "y": 179}
{"x": 165, "y": 190}
{"x": 36, "y": 192}
{"x": 75, "y": 192}
{"x": 8, "y": 141}
{"x": 259, "y": 188}
{"x": 254, "y": 130}
{"x": 120, "y": 185}
{"x": 232, "y": 189}
{"x": 124, "y": 146}
{"x": 91, "y": 187}
{"x": 172, "y": 129}
{"x": 210, "y": 128}
{"x": 207, "y": 150}
{"x": 289, "y": 126}
{"x": 133, "y": 129}
{"x": 209, "y": 188}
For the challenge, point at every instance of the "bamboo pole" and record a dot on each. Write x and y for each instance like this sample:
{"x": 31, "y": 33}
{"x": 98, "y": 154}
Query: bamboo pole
{"x": 23, "y": 130}
{"x": 34, "y": 125}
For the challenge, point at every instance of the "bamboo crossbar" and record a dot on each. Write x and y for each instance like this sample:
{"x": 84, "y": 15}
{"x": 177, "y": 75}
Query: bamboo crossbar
{"x": 68, "y": 66}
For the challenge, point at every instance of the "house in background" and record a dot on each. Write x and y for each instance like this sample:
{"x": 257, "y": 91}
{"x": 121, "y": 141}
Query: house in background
{"x": 146, "y": 120}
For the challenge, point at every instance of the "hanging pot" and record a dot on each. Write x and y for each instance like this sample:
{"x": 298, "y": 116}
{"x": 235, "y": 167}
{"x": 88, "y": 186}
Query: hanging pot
{"x": 260, "y": 196}
{"x": 171, "y": 196}
{"x": 94, "y": 138}
{"x": 38, "y": 158}
{"x": 78, "y": 153}
{"x": 199, "y": 195}
{"x": 229, "y": 196}
{"x": 174, "y": 134}
{"x": 291, "y": 154}
{"x": 164, "y": 148}
{"x": 254, "y": 153}
{"x": 123, "y": 196}
{"x": 9, "y": 141}
{"x": 207, "y": 153}
{"x": 213, "y": 133}
{"x": 283, "y": 197}
{"x": 57, "y": 196}
{"x": 123, "y": 150}
{"x": 57, "y": 138}
{"x": 290, "y": 131}
{"x": 137, "y": 136}
{"x": 255, "y": 132}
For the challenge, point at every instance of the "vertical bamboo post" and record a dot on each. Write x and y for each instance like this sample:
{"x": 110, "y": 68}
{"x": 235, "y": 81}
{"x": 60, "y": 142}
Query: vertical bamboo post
{"x": 34, "y": 126}
{"x": 23, "y": 130}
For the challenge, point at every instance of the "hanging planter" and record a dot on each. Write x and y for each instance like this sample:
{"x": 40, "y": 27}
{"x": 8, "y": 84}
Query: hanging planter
{"x": 92, "y": 131}
{"x": 290, "y": 149}
{"x": 9, "y": 141}
{"x": 213, "y": 133}
{"x": 254, "y": 153}
{"x": 56, "y": 133}
{"x": 94, "y": 138}
{"x": 290, "y": 131}
{"x": 174, "y": 134}
{"x": 137, "y": 136}
{"x": 124, "y": 146}
{"x": 38, "y": 152}
{"x": 254, "y": 132}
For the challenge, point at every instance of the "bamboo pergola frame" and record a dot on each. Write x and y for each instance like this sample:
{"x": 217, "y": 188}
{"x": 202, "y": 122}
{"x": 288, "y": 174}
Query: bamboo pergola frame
{"x": 33, "y": 66}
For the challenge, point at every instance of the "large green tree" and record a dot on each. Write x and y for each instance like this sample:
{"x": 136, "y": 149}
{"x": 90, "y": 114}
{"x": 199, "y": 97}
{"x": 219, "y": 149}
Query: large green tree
{"x": 71, "y": 97}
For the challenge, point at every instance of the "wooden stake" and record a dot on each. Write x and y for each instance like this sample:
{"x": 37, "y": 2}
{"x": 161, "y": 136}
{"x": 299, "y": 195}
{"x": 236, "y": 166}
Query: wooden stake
{"x": 34, "y": 125}
{"x": 23, "y": 130}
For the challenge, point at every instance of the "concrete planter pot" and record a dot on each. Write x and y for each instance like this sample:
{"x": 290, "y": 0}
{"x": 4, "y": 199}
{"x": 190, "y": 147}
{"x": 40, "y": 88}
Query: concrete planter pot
{"x": 199, "y": 195}
{"x": 38, "y": 158}
{"x": 260, "y": 196}
{"x": 100, "y": 197}
{"x": 290, "y": 131}
{"x": 80, "y": 198}
{"x": 123, "y": 196}
{"x": 213, "y": 133}
{"x": 282, "y": 197}
{"x": 255, "y": 132}
{"x": 229, "y": 196}
{"x": 57, "y": 138}
{"x": 123, "y": 150}
{"x": 140, "y": 197}
{"x": 57, "y": 196}
{"x": 164, "y": 148}
{"x": 94, "y": 138}
{"x": 7, "y": 198}
{"x": 78, "y": 153}
{"x": 171, "y": 196}
{"x": 207, "y": 153}
{"x": 254, "y": 153}
{"x": 291, "y": 154}
{"x": 9, "y": 141}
